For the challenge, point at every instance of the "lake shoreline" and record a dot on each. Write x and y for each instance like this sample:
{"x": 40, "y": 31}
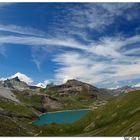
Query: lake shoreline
{"x": 69, "y": 110}
{"x": 63, "y": 111}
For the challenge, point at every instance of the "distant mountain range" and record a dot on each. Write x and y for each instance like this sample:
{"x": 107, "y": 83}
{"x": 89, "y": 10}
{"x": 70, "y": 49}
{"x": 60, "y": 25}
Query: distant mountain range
{"x": 125, "y": 89}
{"x": 70, "y": 88}
{"x": 56, "y": 97}
{"x": 67, "y": 88}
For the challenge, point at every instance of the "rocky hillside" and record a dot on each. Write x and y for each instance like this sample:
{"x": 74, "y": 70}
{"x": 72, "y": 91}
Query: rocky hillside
{"x": 77, "y": 88}
{"x": 8, "y": 94}
{"x": 73, "y": 94}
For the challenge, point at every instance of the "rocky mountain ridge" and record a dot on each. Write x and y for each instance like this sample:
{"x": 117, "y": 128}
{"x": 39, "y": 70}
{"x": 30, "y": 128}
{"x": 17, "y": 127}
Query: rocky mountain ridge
{"x": 60, "y": 96}
{"x": 75, "y": 88}
{"x": 17, "y": 84}
{"x": 72, "y": 94}
{"x": 124, "y": 89}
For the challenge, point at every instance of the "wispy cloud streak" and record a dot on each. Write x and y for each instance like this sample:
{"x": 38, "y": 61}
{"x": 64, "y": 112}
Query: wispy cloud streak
{"x": 21, "y": 30}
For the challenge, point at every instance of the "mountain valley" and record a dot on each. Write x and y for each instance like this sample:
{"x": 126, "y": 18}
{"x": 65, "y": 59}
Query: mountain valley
{"x": 21, "y": 104}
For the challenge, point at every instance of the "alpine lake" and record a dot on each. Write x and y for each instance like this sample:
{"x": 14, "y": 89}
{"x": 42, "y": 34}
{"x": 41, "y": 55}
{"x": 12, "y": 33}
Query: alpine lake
{"x": 61, "y": 117}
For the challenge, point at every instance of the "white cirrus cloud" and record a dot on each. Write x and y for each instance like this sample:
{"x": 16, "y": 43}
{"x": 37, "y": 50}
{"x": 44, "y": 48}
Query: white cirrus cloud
{"x": 21, "y": 30}
{"x": 96, "y": 16}
{"x": 108, "y": 46}
{"x": 2, "y": 50}
{"x": 102, "y": 62}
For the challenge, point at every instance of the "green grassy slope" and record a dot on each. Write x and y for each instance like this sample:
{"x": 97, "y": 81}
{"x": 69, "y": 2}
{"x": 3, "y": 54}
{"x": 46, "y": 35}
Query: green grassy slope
{"x": 16, "y": 109}
{"x": 119, "y": 117}
{"x": 9, "y": 127}
{"x": 28, "y": 98}
{"x": 15, "y": 118}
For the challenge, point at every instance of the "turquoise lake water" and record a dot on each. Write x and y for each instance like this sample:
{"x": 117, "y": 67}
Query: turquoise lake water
{"x": 61, "y": 117}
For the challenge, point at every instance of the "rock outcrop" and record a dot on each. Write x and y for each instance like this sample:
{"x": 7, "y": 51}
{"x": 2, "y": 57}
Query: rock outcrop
{"x": 75, "y": 87}
{"x": 14, "y": 83}
{"x": 6, "y": 93}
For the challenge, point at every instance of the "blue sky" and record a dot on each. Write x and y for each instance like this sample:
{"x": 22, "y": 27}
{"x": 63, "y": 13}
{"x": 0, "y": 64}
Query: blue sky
{"x": 98, "y": 43}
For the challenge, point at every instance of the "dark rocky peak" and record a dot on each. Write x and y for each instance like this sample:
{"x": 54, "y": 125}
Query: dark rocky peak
{"x": 15, "y": 79}
{"x": 15, "y": 83}
{"x": 74, "y": 82}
